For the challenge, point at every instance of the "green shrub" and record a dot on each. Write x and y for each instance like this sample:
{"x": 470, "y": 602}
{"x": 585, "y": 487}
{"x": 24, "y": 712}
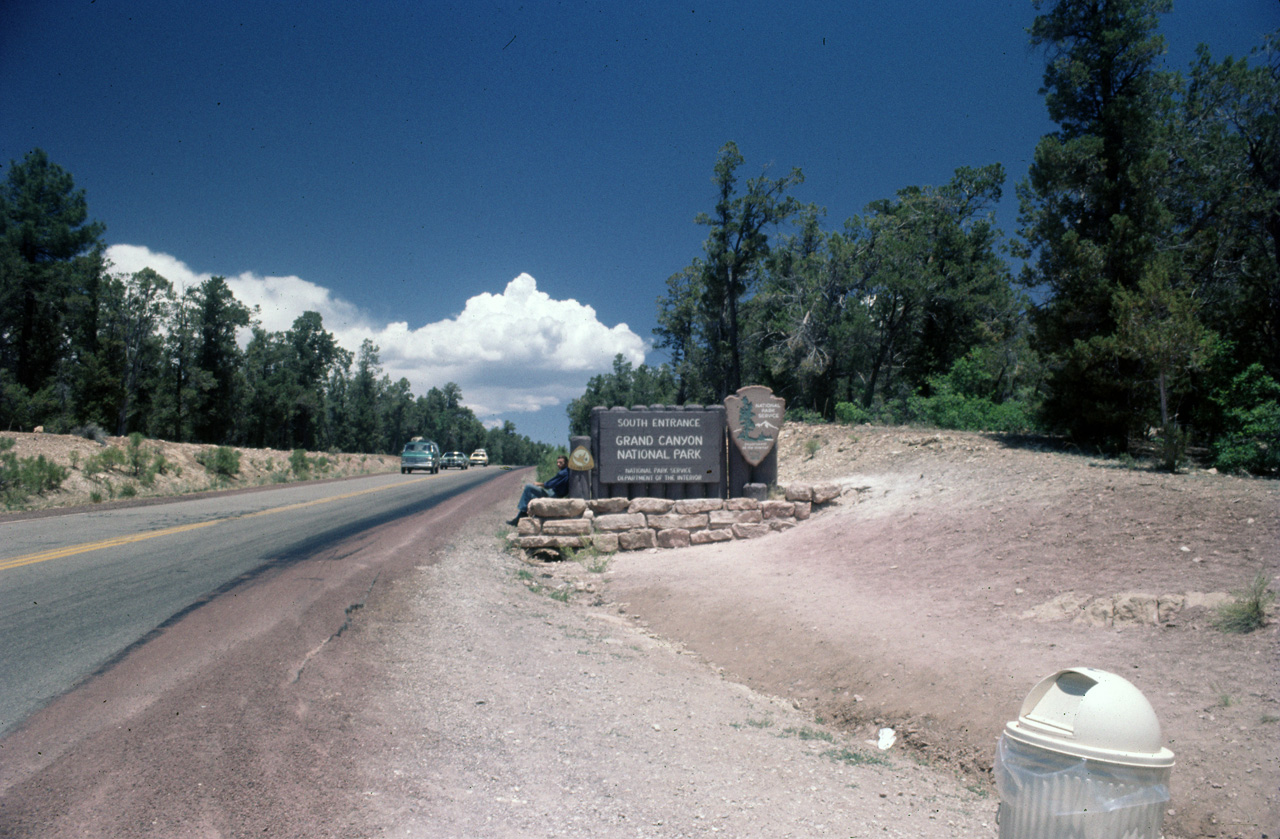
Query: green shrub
{"x": 968, "y": 397}
{"x": 22, "y": 477}
{"x": 880, "y": 413}
{"x": 41, "y": 475}
{"x": 807, "y": 733}
{"x": 1251, "y": 414}
{"x": 91, "y": 431}
{"x": 805, "y": 415}
{"x": 223, "y": 462}
{"x": 851, "y": 758}
{"x": 547, "y": 466}
{"x": 948, "y": 409}
{"x": 850, "y": 413}
{"x": 104, "y": 461}
{"x": 163, "y": 466}
{"x": 144, "y": 464}
{"x": 137, "y": 458}
{"x": 889, "y": 412}
{"x": 1249, "y": 610}
{"x": 303, "y": 467}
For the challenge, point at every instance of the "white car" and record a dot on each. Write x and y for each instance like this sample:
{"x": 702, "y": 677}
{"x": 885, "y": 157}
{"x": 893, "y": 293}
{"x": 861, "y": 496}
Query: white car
{"x": 453, "y": 460}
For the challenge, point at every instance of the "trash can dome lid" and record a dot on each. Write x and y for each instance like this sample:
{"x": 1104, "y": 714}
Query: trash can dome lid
{"x": 1090, "y": 713}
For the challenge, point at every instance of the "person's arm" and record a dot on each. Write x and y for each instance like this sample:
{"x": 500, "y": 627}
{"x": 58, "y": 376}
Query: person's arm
{"x": 559, "y": 484}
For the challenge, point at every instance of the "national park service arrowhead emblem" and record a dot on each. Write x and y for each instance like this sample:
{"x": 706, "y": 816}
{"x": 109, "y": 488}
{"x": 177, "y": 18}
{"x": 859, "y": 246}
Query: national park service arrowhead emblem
{"x": 581, "y": 460}
{"x": 755, "y": 417}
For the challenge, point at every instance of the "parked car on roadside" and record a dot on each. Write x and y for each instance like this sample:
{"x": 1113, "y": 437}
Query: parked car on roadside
{"x": 479, "y": 457}
{"x": 420, "y": 454}
{"x": 453, "y": 460}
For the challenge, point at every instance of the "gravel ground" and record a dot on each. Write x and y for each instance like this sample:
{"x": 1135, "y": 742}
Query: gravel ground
{"x": 519, "y": 715}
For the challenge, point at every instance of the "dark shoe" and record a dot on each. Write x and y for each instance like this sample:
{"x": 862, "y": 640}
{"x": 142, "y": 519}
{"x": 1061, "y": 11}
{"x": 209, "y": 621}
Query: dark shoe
{"x": 513, "y": 522}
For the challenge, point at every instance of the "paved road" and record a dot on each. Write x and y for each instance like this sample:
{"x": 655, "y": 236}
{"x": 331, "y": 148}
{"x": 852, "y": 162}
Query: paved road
{"x": 78, "y": 591}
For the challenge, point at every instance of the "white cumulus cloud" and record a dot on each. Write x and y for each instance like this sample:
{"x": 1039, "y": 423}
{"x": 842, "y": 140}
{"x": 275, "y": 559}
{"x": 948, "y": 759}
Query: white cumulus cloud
{"x": 512, "y": 353}
{"x": 519, "y": 350}
{"x": 279, "y": 300}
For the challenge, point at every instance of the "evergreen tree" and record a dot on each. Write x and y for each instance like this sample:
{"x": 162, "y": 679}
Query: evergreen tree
{"x": 747, "y": 419}
{"x": 734, "y": 249}
{"x": 625, "y": 387}
{"x": 335, "y": 432}
{"x": 177, "y": 394}
{"x": 1224, "y": 192}
{"x": 133, "y": 307}
{"x": 1157, "y": 326}
{"x": 50, "y": 266}
{"x": 270, "y": 392}
{"x": 681, "y": 332}
{"x": 1091, "y": 212}
{"x": 363, "y": 399}
{"x": 218, "y": 360}
{"x": 313, "y": 354}
{"x": 929, "y": 281}
{"x": 797, "y": 342}
{"x": 398, "y": 413}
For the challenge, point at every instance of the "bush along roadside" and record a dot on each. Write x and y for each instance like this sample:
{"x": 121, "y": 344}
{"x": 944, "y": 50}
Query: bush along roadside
{"x": 222, "y": 462}
{"x": 21, "y": 478}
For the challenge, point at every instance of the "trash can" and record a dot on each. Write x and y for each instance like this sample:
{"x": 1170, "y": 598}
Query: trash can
{"x": 1083, "y": 760}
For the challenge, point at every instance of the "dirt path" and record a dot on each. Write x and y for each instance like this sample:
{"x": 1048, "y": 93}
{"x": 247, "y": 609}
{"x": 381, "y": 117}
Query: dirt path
{"x": 519, "y": 714}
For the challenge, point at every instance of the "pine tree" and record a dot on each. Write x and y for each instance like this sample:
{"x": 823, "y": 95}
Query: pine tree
{"x": 50, "y": 266}
{"x": 1090, "y": 210}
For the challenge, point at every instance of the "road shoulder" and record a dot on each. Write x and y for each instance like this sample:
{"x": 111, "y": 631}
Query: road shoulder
{"x": 509, "y": 712}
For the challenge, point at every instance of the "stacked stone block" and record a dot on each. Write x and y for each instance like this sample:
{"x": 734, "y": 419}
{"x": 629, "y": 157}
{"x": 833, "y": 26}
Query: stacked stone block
{"x": 621, "y": 524}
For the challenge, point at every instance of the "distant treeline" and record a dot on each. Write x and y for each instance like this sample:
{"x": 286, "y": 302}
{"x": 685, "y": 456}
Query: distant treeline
{"x": 1137, "y": 308}
{"x": 81, "y": 346}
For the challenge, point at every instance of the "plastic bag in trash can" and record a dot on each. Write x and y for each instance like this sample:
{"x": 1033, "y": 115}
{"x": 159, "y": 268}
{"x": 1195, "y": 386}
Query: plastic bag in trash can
{"x": 1077, "y": 785}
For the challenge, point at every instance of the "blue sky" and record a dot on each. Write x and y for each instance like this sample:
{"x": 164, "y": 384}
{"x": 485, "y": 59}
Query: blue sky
{"x": 497, "y": 193}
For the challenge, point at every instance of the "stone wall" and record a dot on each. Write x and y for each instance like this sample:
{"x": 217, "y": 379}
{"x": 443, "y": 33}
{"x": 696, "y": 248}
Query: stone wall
{"x": 621, "y": 524}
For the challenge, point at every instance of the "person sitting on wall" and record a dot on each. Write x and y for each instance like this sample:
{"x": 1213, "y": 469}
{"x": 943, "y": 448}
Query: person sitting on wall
{"x": 556, "y": 486}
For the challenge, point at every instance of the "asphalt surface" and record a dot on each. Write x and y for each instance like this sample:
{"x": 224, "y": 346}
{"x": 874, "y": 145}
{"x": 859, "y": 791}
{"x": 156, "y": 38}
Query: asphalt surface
{"x": 79, "y": 591}
{"x": 225, "y": 710}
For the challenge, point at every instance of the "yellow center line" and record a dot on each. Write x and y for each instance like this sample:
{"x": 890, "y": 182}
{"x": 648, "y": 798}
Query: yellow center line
{"x": 116, "y": 541}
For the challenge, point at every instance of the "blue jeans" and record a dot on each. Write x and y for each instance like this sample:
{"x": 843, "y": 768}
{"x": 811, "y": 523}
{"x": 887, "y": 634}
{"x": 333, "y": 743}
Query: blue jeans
{"x": 530, "y": 492}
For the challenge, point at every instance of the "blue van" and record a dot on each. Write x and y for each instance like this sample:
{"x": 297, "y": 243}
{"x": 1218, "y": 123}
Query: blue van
{"x": 420, "y": 454}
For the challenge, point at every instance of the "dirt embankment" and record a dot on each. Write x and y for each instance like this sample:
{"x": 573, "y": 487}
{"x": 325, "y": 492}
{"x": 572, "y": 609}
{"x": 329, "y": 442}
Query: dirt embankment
{"x": 160, "y": 469}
